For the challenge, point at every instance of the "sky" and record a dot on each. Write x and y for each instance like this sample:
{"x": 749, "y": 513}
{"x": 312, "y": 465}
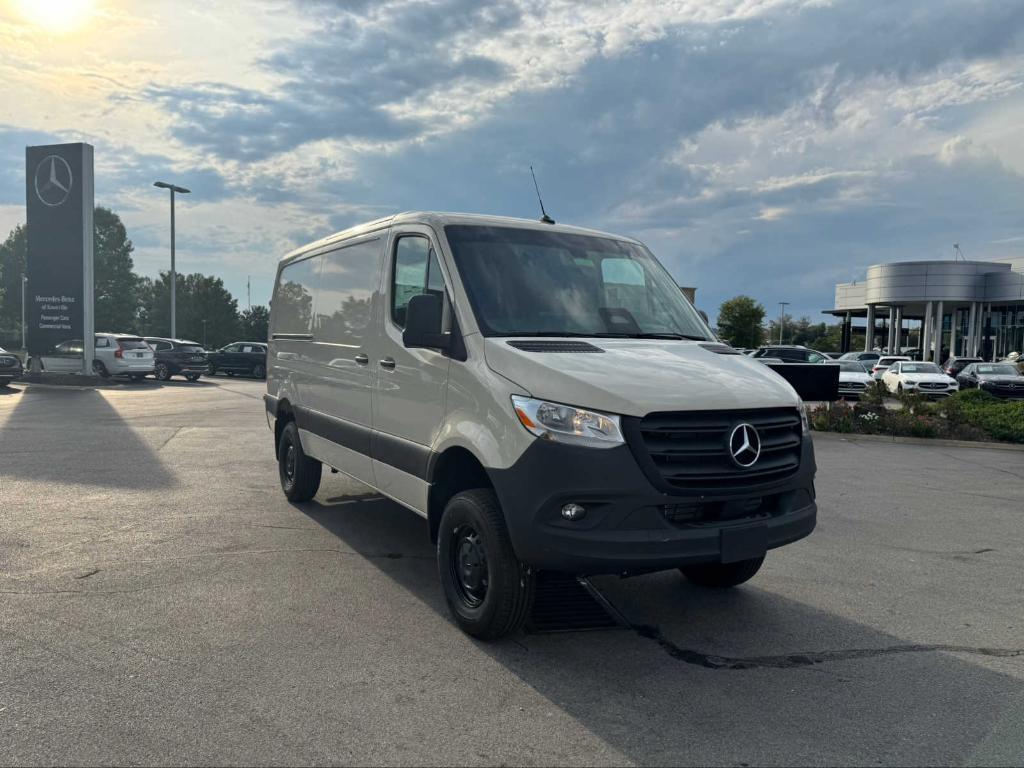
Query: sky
{"x": 764, "y": 147}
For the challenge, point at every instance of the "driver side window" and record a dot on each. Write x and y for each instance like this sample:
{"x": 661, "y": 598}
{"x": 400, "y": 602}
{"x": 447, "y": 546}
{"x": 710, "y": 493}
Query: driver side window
{"x": 416, "y": 271}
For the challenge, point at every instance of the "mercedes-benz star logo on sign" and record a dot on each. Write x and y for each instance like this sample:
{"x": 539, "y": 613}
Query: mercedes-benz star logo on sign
{"x": 53, "y": 180}
{"x": 744, "y": 445}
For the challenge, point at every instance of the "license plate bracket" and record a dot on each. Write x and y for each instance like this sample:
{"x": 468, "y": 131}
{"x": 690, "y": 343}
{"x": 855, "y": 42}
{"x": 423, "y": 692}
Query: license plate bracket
{"x": 744, "y": 542}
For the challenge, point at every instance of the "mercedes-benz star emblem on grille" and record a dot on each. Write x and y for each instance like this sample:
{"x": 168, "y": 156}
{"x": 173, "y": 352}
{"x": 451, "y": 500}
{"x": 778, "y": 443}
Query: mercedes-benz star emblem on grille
{"x": 744, "y": 445}
{"x": 53, "y": 180}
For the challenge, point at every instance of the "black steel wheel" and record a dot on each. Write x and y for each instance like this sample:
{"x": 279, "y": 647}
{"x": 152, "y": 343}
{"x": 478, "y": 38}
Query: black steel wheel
{"x": 488, "y": 590}
{"x": 300, "y": 475}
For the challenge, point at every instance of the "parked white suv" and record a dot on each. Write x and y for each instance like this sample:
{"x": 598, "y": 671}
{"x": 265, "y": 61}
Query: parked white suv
{"x": 926, "y": 378}
{"x": 117, "y": 354}
{"x": 544, "y": 395}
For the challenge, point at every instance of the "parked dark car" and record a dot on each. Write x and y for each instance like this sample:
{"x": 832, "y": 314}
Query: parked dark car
{"x": 999, "y": 379}
{"x": 178, "y": 357}
{"x": 790, "y": 353}
{"x": 10, "y": 367}
{"x": 954, "y": 365}
{"x": 244, "y": 357}
{"x": 862, "y": 357}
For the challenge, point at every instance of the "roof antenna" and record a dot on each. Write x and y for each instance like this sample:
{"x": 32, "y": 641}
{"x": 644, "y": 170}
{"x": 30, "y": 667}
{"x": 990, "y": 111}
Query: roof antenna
{"x": 544, "y": 214}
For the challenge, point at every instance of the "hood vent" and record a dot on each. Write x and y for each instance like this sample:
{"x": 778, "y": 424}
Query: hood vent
{"x": 554, "y": 346}
{"x": 719, "y": 348}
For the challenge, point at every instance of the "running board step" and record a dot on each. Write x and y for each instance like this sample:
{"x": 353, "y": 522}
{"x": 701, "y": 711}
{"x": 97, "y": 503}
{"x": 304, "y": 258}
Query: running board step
{"x": 567, "y": 603}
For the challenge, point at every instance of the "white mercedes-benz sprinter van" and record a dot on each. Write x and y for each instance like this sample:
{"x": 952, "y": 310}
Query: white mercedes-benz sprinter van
{"x": 544, "y": 395}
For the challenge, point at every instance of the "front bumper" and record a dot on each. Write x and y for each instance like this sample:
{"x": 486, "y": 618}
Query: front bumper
{"x": 627, "y": 526}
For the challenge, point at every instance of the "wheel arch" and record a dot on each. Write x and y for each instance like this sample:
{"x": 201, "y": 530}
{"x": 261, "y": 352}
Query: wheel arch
{"x": 449, "y": 472}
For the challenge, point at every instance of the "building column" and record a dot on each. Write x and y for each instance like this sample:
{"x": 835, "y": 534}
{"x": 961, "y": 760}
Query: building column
{"x": 869, "y": 331}
{"x": 953, "y": 317}
{"x": 899, "y": 329}
{"x": 926, "y": 331}
{"x": 892, "y": 328}
{"x": 938, "y": 333}
{"x": 972, "y": 331}
{"x": 845, "y": 333}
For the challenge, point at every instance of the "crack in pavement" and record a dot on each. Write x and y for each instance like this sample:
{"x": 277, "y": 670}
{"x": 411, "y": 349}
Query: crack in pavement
{"x": 795, "y": 660}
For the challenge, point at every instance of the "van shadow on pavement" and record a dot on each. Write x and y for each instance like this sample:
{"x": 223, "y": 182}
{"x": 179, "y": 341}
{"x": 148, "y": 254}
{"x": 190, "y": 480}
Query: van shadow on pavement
{"x": 723, "y": 677}
{"x": 40, "y": 442}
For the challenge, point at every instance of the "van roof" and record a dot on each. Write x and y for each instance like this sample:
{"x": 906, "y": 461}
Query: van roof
{"x": 439, "y": 220}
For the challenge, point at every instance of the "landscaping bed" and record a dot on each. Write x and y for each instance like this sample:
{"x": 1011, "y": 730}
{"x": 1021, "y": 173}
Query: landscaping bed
{"x": 968, "y": 415}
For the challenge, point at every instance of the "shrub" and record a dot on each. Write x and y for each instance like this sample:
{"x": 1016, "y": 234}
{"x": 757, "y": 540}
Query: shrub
{"x": 875, "y": 393}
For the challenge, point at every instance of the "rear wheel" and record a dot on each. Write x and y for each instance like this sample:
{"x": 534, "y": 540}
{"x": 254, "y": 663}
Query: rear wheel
{"x": 162, "y": 372}
{"x": 722, "y": 575}
{"x": 300, "y": 475}
{"x": 212, "y": 371}
{"x": 488, "y": 590}
{"x": 192, "y": 376}
{"x": 259, "y": 371}
{"x": 100, "y": 369}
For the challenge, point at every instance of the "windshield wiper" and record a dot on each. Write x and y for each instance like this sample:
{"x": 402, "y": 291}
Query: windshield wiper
{"x": 675, "y": 336}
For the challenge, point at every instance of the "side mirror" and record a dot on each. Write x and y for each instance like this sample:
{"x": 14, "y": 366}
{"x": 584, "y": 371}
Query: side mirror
{"x": 423, "y": 323}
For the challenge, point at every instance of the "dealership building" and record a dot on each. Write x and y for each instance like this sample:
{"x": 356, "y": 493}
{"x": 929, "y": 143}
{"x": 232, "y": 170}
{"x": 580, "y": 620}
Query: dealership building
{"x": 963, "y": 308}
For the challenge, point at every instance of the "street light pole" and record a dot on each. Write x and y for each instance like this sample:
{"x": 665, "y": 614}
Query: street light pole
{"x": 782, "y": 318}
{"x": 174, "y": 275}
{"x": 25, "y": 326}
{"x": 204, "y": 334}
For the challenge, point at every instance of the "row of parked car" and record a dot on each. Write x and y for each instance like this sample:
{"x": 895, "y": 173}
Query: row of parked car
{"x": 901, "y": 373}
{"x": 135, "y": 357}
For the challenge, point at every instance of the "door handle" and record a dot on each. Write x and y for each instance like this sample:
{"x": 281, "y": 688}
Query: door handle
{"x": 387, "y": 362}
{"x": 362, "y": 359}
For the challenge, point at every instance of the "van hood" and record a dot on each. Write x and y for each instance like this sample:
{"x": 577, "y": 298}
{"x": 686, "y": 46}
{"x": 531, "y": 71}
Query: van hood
{"x": 634, "y": 377}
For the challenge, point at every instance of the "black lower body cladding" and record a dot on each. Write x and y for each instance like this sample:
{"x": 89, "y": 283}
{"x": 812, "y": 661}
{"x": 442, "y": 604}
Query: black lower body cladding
{"x": 630, "y": 526}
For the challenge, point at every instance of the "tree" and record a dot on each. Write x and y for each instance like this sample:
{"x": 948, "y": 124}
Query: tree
{"x": 116, "y": 286}
{"x": 254, "y": 323}
{"x": 740, "y": 322}
{"x": 199, "y": 297}
{"x": 12, "y": 267}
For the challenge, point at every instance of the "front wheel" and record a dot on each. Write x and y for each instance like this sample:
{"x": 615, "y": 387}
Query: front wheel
{"x": 163, "y": 373}
{"x": 722, "y": 575}
{"x": 300, "y": 475}
{"x": 212, "y": 370}
{"x": 192, "y": 376}
{"x": 488, "y": 590}
{"x": 100, "y": 369}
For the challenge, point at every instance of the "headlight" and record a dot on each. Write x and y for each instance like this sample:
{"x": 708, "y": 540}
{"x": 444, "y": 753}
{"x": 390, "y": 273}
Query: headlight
{"x": 910, "y": 381}
{"x": 566, "y": 424}
{"x": 805, "y": 424}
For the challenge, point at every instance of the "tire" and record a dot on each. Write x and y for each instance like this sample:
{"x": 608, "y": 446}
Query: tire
{"x": 212, "y": 371}
{"x": 722, "y": 575}
{"x": 300, "y": 475}
{"x": 193, "y": 376}
{"x": 259, "y": 371}
{"x": 488, "y": 590}
{"x": 100, "y": 369}
{"x": 162, "y": 372}
{"x": 136, "y": 376}
{"x": 231, "y": 373}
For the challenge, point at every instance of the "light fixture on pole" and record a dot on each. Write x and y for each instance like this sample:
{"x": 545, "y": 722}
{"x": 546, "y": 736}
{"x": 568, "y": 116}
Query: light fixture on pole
{"x": 782, "y": 318}
{"x": 174, "y": 277}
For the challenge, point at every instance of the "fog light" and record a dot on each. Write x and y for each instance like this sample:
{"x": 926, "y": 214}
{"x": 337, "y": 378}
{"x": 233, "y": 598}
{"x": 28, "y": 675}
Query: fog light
{"x": 574, "y": 512}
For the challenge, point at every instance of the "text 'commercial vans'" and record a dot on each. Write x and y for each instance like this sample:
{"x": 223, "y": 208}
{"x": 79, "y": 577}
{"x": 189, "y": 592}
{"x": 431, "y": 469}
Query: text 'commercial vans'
{"x": 544, "y": 395}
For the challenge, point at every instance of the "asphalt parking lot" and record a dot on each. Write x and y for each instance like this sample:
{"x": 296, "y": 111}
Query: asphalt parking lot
{"x": 161, "y": 602}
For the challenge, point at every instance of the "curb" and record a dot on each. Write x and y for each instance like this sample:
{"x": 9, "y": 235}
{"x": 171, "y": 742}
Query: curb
{"x": 852, "y": 437}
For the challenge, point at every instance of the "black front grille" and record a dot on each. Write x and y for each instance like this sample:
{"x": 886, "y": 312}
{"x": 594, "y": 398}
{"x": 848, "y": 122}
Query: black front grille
{"x": 932, "y": 385}
{"x": 852, "y": 385}
{"x": 689, "y": 450}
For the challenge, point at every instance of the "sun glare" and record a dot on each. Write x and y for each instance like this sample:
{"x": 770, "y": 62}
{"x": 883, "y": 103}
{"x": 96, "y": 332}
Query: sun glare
{"x": 55, "y": 15}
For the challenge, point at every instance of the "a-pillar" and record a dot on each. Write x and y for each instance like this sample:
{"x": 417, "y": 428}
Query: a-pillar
{"x": 938, "y": 333}
{"x": 891, "y": 344}
{"x": 869, "y": 330}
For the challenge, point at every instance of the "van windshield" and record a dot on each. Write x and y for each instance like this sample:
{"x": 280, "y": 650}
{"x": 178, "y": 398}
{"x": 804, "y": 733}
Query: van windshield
{"x": 527, "y": 282}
